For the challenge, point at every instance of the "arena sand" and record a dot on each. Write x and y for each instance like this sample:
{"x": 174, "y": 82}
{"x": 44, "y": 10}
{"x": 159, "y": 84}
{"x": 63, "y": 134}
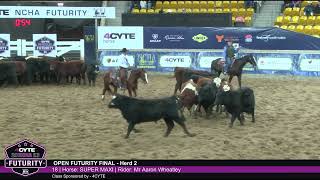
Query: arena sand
{"x": 72, "y": 122}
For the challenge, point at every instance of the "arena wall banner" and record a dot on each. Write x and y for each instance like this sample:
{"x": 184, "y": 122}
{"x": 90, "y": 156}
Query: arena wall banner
{"x": 267, "y": 63}
{"x": 214, "y": 38}
{"x": 5, "y": 45}
{"x": 45, "y": 45}
{"x": 89, "y": 44}
{"x": 57, "y": 12}
{"x": 118, "y": 37}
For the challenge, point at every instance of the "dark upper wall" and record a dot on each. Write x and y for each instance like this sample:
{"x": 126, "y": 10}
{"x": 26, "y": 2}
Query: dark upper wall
{"x": 66, "y": 29}
{"x": 171, "y": 20}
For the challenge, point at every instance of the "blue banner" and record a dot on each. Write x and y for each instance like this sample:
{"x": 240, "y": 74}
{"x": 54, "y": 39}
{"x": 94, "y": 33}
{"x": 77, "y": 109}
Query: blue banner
{"x": 267, "y": 63}
{"x": 89, "y": 44}
{"x": 214, "y": 38}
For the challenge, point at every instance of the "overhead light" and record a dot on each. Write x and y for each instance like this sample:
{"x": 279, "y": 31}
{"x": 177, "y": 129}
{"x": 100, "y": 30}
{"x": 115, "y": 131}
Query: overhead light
{"x": 60, "y": 4}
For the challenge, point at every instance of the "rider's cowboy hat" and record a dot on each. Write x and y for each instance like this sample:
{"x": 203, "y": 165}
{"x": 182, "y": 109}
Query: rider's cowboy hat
{"x": 124, "y": 50}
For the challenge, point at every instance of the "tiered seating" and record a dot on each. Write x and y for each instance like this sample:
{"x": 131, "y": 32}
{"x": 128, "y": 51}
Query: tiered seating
{"x": 294, "y": 19}
{"x": 234, "y": 7}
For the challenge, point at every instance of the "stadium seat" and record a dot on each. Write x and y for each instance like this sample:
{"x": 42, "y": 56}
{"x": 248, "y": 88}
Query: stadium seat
{"x": 210, "y": 4}
{"x": 294, "y": 20}
{"x": 158, "y": 5}
{"x": 240, "y": 4}
{"x": 242, "y": 12}
{"x": 248, "y": 20}
{"x": 173, "y": 5}
{"x": 180, "y": 10}
{"x": 150, "y": 11}
{"x": 195, "y": 4}
{"x": 316, "y": 29}
{"x": 311, "y": 20}
{"x": 234, "y": 4}
{"x": 218, "y": 4}
{"x": 316, "y": 35}
{"x": 172, "y": 10}
{"x": 287, "y": 12}
{"x": 249, "y": 12}
{"x": 279, "y": 21}
{"x": 235, "y": 12}
{"x": 314, "y": 3}
{"x": 188, "y": 4}
{"x": 166, "y": 5}
{"x": 143, "y": 11}
{"x": 195, "y": 11}
{"x": 225, "y": 4}
{"x": 219, "y": 10}
{"x": 226, "y": 11}
{"x": 203, "y": 4}
{"x": 301, "y": 11}
{"x": 157, "y": 10}
{"x": 181, "y": 4}
{"x": 210, "y": 10}
{"x": 292, "y": 27}
{"x": 299, "y": 28}
{"x": 284, "y": 27}
{"x": 308, "y": 29}
{"x": 295, "y": 11}
{"x": 276, "y": 26}
{"x": 317, "y": 21}
{"x": 303, "y": 20}
{"x": 286, "y": 20}
{"x": 304, "y": 3}
{"x": 188, "y": 10}
{"x": 165, "y": 10}
{"x": 135, "y": 11}
{"x": 203, "y": 10}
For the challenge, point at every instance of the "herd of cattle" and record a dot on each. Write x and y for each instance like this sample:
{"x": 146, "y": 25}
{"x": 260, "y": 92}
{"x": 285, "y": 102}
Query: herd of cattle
{"x": 197, "y": 89}
{"x": 28, "y": 69}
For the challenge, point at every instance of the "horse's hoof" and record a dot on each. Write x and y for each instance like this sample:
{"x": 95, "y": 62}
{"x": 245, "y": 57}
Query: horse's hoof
{"x": 191, "y": 135}
{"x": 102, "y": 97}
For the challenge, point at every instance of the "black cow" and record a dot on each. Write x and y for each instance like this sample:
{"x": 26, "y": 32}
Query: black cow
{"x": 206, "y": 98}
{"x": 8, "y": 73}
{"x": 147, "y": 110}
{"x": 92, "y": 71}
{"x": 237, "y": 102}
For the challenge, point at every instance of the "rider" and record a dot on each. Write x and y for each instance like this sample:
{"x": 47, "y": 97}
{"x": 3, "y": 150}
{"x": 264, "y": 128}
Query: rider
{"x": 229, "y": 55}
{"x": 123, "y": 66}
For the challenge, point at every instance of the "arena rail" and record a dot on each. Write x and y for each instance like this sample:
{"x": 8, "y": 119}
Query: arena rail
{"x": 22, "y": 46}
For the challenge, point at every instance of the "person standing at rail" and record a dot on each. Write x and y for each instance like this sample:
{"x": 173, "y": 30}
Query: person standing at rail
{"x": 229, "y": 53}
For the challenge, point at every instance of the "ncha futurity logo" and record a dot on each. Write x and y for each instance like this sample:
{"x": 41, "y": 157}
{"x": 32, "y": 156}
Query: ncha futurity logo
{"x": 25, "y": 157}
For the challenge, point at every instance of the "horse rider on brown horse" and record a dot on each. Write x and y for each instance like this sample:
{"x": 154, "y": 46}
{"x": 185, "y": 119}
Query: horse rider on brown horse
{"x": 229, "y": 55}
{"x": 123, "y": 68}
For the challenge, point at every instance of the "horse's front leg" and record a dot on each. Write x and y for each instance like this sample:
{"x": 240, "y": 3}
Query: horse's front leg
{"x": 134, "y": 92}
{"x": 230, "y": 78}
{"x": 239, "y": 80}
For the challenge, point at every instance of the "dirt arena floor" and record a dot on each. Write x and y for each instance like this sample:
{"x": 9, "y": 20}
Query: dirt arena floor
{"x": 72, "y": 122}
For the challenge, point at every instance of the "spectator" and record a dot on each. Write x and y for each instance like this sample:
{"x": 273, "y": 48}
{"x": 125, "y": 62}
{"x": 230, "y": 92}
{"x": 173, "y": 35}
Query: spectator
{"x": 249, "y": 3}
{"x": 316, "y": 9}
{"x": 149, "y": 4}
{"x": 239, "y": 22}
{"x": 296, "y": 3}
{"x": 308, "y": 10}
{"x": 161, "y": 11}
{"x": 143, "y": 4}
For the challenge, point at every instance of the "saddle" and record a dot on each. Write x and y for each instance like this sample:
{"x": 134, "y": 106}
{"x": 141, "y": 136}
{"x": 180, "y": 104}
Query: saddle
{"x": 115, "y": 76}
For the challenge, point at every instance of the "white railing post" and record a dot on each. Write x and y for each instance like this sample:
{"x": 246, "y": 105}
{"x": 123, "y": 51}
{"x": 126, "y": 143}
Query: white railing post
{"x": 81, "y": 48}
{"x": 23, "y": 47}
{"x": 18, "y": 48}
